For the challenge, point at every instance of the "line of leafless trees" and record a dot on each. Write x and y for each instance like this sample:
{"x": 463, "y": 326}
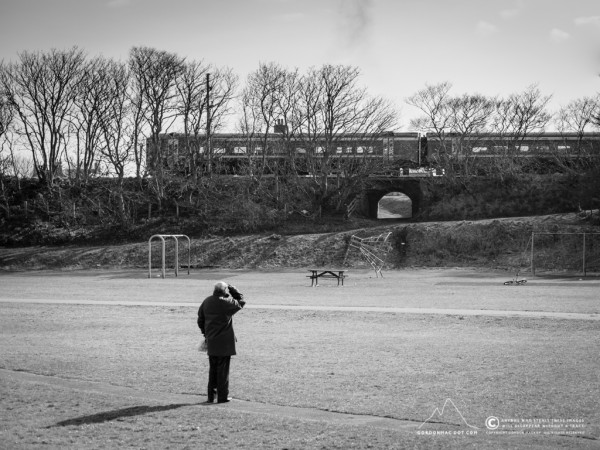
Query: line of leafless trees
{"x": 456, "y": 120}
{"x": 73, "y": 112}
{"x": 519, "y": 115}
{"x": 63, "y": 112}
{"x": 86, "y": 117}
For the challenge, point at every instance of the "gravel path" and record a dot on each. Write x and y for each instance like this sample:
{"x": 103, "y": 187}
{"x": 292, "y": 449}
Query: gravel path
{"x": 454, "y": 312}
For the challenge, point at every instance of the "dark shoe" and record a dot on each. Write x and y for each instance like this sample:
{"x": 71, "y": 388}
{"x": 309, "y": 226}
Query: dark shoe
{"x": 210, "y": 396}
{"x": 228, "y": 399}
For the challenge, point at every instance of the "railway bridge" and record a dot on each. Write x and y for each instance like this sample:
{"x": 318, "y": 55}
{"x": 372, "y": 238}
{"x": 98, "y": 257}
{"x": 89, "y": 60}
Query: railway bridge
{"x": 375, "y": 199}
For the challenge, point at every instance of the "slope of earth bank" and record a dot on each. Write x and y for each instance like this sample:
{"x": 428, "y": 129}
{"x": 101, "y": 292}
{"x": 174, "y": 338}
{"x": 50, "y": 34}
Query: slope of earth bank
{"x": 491, "y": 243}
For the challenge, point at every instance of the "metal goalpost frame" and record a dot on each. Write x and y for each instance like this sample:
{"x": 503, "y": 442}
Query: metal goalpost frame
{"x": 163, "y": 237}
{"x": 583, "y": 251}
{"x": 374, "y": 249}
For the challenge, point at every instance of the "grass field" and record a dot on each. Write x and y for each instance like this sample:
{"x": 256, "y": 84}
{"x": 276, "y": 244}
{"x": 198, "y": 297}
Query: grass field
{"x": 140, "y": 359}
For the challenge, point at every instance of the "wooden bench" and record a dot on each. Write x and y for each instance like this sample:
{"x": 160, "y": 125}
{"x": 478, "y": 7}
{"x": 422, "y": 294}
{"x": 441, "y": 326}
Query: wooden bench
{"x": 320, "y": 273}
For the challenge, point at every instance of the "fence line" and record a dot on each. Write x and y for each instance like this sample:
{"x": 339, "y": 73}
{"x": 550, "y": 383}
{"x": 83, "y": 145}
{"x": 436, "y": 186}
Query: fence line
{"x": 584, "y": 236}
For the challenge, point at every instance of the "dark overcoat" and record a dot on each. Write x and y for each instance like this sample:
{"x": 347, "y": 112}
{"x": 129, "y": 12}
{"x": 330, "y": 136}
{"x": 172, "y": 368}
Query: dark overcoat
{"x": 215, "y": 319}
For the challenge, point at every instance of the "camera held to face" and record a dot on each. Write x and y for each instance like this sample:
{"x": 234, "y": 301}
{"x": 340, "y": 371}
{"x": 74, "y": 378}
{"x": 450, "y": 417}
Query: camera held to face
{"x": 234, "y": 292}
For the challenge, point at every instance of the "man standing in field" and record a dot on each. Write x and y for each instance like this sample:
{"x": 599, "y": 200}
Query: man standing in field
{"x": 215, "y": 319}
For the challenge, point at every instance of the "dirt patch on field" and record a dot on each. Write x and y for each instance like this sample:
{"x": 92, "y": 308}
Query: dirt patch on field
{"x": 491, "y": 243}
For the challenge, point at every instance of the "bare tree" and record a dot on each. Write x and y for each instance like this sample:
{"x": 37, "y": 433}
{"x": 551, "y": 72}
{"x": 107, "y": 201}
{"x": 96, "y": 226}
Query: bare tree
{"x": 6, "y": 111}
{"x": 518, "y": 117}
{"x": 522, "y": 114}
{"x": 6, "y": 117}
{"x": 577, "y": 117}
{"x": 470, "y": 116}
{"x": 596, "y": 118}
{"x": 332, "y": 110}
{"x": 19, "y": 165}
{"x": 192, "y": 108}
{"x": 94, "y": 103}
{"x": 5, "y": 120}
{"x": 452, "y": 120}
{"x": 433, "y": 101}
{"x": 156, "y": 73}
{"x": 224, "y": 83}
{"x": 267, "y": 99}
{"x": 314, "y": 114}
{"x": 221, "y": 91}
{"x": 139, "y": 110}
{"x": 250, "y": 121}
{"x": 203, "y": 103}
{"x": 42, "y": 88}
{"x": 116, "y": 124}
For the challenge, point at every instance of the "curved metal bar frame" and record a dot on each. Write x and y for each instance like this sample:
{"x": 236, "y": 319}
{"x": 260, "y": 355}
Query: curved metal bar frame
{"x": 162, "y": 237}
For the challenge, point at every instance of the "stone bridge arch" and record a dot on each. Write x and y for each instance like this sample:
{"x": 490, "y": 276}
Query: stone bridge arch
{"x": 377, "y": 189}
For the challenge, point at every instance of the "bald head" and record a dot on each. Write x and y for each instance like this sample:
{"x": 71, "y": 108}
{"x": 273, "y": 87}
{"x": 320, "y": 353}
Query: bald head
{"x": 220, "y": 288}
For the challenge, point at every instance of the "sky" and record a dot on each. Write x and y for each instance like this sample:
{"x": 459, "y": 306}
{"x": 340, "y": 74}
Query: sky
{"x": 489, "y": 47}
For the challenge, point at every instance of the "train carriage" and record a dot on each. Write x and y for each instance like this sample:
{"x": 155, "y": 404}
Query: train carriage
{"x": 400, "y": 151}
{"x": 490, "y": 145}
{"x": 232, "y": 149}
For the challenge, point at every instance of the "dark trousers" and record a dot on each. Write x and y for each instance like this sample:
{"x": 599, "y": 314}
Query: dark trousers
{"x": 218, "y": 377}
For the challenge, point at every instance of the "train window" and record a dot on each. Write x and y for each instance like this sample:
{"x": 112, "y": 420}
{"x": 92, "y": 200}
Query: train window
{"x": 258, "y": 150}
{"x": 370, "y": 149}
{"x": 523, "y": 148}
{"x": 500, "y": 148}
{"x": 239, "y": 150}
{"x": 479, "y": 149}
{"x": 564, "y": 147}
{"x": 300, "y": 150}
{"x": 339, "y": 150}
{"x": 319, "y": 150}
{"x": 360, "y": 150}
{"x": 201, "y": 150}
{"x": 542, "y": 148}
{"x": 349, "y": 150}
{"x": 218, "y": 150}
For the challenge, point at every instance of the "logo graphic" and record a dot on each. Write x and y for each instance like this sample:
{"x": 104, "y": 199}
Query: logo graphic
{"x": 437, "y": 415}
{"x": 492, "y": 422}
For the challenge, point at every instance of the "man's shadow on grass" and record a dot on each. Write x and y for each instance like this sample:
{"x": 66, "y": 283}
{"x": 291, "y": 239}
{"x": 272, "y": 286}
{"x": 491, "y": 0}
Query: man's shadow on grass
{"x": 107, "y": 416}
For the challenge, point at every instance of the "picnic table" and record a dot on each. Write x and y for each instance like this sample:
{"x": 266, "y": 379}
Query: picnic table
{"x": 329, "y": 273}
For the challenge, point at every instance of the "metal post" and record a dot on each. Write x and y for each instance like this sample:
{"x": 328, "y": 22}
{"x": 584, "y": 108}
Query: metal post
{"x": 584, "y": 268}
{"x": 150, "y": 254}
{"x": 189, "y": 251}
{"x": 176, "y": 256}
{"x": 162, "y": 238}
{"x": 163, "y": 257}
{"x": 150, "y": 258}
{"x": 532, "y": 254}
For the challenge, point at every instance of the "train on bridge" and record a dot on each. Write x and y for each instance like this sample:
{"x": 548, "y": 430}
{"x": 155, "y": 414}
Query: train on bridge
{"x": 411, "y": 152}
